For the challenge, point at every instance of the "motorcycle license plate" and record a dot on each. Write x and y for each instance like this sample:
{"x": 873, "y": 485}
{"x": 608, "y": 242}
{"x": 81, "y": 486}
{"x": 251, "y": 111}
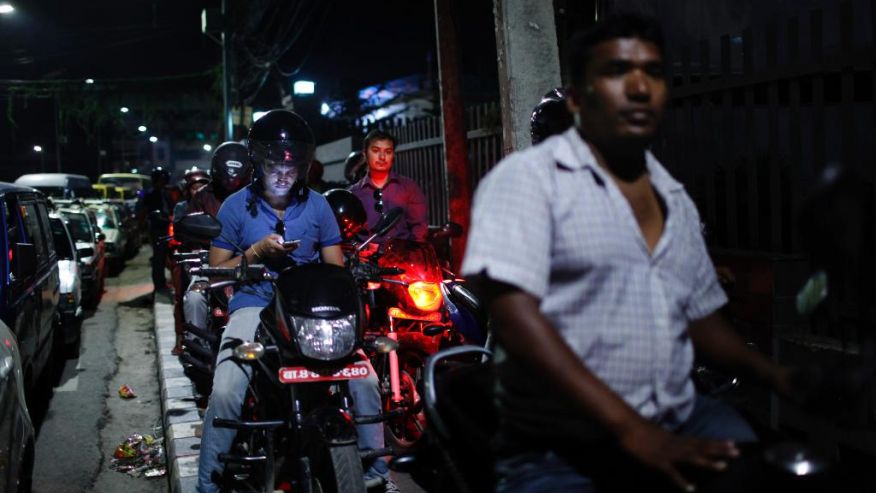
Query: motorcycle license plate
{"x": 301, "y": 374}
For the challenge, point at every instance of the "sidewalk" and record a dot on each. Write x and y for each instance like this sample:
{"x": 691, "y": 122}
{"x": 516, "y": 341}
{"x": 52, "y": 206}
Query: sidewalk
{"x": 181, "y": 416}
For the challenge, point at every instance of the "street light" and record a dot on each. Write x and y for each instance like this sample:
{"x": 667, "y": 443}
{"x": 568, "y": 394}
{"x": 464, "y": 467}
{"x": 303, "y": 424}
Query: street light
{"x": 208, "y": 147}
{"x": 153, "y": 139}
{"x": 39, "y": 150}
{"x": 89, "y": 81}
{"x": 6, "y": 8}
{"x": 124, "y": 109}
{"x": 142, "y": 128}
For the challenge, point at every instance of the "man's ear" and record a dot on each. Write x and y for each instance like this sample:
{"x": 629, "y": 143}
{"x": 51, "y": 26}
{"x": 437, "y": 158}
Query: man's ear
{"x": 572, "y": 102}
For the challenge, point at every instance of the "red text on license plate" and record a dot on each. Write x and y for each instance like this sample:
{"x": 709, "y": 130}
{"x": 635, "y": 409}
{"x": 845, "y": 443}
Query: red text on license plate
{"x": 300, "y": 374}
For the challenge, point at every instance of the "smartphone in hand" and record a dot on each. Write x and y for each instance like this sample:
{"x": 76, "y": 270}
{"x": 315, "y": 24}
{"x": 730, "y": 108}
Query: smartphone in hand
{"x": 291, "y": 244}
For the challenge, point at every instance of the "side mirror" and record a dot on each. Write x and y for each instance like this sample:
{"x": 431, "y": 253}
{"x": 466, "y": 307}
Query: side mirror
{"x": 85, "y": 252}
{"x": 388, "y": 220}
{"x": 199, "y": 225}
{"x": 24, "y": 256}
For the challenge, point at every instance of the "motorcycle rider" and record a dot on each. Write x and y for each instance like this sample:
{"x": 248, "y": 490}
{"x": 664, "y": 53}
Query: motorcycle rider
{"x": 156, "y": 207}
{"x": 230, "y": 171}
{"x": 600, "y": 287}
{"x": 276, "y": 207}
{"x": 381, "y": 189}
{"x": 194, "y": 180}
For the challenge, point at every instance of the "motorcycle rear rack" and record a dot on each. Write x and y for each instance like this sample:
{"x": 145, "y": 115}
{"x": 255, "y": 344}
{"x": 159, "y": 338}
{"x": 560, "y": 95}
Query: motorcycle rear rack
{"x": 247, "y": 425}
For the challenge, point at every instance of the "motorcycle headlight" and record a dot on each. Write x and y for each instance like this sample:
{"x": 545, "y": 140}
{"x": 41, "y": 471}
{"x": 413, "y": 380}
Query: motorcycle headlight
{"x": 325, "y": 339}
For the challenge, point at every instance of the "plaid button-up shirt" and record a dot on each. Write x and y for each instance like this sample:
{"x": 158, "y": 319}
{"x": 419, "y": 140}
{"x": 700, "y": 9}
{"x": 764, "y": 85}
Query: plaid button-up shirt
{"x": 551, "y": 222}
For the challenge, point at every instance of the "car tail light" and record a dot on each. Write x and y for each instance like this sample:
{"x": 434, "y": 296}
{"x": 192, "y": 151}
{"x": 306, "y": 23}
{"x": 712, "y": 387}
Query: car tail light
{"x": 426, "y": 295}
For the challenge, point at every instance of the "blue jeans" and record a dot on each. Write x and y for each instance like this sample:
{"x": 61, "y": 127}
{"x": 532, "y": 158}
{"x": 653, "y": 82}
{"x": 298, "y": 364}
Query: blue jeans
{"x": 195, "y": 309}
{"x": 545, "y": 472}
{"x": 229, "y": 388}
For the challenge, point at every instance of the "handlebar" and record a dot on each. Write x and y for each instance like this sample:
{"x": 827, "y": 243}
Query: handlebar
{"x": 252, "y": 273}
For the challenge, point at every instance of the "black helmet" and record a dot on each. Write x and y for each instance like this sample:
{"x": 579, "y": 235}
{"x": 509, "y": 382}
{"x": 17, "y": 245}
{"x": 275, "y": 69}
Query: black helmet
{"x": 281, "y": 136}
{"x": 354, "y": 166}
{"x": 230, "y": 168}
{"x": 349, "y": 211}
{"x": 550, "y": 116}
{"x": 159, "y": 173}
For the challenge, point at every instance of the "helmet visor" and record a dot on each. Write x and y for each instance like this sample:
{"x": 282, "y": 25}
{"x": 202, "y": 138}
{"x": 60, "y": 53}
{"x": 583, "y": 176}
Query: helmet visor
{"x": 290, "y": 152}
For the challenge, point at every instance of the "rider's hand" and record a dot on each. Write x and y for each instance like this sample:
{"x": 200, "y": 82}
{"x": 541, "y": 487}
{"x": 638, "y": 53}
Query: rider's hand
{"x": 272, "y": 246}
{"x": 664, "y": 452}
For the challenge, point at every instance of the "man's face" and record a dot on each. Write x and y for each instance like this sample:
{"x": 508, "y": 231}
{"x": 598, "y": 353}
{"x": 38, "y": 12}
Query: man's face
{"x": 279, "y": 177}
{"x": 624, "y": 92}
{"x": 380, "y": 155}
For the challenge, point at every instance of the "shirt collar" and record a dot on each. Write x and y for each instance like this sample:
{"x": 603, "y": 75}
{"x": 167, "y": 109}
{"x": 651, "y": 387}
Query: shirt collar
{"x": 574, "y": 153}
{"x": 366, "y": 180}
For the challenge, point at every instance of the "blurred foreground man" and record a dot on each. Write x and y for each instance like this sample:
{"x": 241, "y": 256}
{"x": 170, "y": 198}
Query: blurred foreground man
{"x": 600, "y": 288}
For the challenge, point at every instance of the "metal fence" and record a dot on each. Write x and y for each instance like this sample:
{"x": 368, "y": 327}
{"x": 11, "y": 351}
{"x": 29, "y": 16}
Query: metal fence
{"x": 749, "y": 131}
{"x": 420, "y": 151}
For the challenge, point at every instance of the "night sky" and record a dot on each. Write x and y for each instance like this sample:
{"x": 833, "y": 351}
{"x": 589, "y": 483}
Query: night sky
{"x": 152, "y": 56}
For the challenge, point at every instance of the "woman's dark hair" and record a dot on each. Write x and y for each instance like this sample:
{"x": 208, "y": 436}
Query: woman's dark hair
{"x": 377, "y": 134}
{"x": 621, "y": 25}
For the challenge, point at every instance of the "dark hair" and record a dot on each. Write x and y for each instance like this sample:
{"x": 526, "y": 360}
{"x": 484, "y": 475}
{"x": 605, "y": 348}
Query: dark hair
{"x": 377, "y": 134}
{"x": 621, "y": 25}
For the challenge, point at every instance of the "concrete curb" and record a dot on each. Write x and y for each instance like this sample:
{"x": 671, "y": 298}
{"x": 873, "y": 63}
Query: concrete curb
{"x": 180, "y": 415}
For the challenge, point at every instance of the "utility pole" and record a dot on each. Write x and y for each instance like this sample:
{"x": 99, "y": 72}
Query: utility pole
{"x": 57, "y": 134}
{"x": 226, "y": 72}
{"x": 529, "y": 66}
{"x": 455, "y": 154}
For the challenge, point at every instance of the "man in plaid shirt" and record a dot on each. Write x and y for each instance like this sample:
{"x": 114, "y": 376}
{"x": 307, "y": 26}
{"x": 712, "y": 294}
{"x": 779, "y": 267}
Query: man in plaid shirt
{"x": 600, "y": 288}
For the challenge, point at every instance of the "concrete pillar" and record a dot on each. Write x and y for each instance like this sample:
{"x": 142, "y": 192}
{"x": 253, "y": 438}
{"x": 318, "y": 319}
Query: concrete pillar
{"x": 529, "y": 65}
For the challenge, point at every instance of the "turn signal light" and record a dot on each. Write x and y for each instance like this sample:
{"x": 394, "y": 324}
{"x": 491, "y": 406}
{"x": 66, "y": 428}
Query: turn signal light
{"x": 426, "y": 295}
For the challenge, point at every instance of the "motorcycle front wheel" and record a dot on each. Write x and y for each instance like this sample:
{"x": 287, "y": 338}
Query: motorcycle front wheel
{"x": 339, "y": 470}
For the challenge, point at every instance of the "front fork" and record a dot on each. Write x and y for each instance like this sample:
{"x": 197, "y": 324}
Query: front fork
{"x": 394, "y": 378}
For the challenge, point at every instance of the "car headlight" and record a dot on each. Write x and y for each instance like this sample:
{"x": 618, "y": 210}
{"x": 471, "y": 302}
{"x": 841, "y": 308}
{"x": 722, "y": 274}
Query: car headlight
{"x": 325, "y": 339}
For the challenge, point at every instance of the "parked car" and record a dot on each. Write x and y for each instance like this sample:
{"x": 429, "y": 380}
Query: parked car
{"x": 29, "y": 290}
{"x": 16, "y": 429}
{"x": 70, "y": 305}
{"x": 89, "y": 243}
{"x": 114, "y": 236}
{"x": 59, "y": 185}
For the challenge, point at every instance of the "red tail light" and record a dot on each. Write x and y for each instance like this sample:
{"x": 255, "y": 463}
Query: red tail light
{"x": 426, "y": 295}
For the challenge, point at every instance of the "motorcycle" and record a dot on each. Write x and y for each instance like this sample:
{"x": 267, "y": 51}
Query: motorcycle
{"x": 297, "y": 429}
{"x": 410, "y": 298}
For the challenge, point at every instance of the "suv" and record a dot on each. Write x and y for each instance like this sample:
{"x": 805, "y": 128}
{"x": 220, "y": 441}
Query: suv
{"x": 30, "y": 280}
{"x": 89, "y": 243}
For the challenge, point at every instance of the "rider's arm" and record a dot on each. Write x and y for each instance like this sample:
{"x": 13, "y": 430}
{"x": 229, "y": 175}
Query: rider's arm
{"x": 530, "y": 338}
{"x": 714, "y": 338}
{"x": 332, "y": 255}
{"x": 220, "y": 257}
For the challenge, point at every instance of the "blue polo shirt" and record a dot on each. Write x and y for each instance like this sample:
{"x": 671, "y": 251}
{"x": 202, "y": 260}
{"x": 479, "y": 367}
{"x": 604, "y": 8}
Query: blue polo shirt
{"x": 311, "y": 221}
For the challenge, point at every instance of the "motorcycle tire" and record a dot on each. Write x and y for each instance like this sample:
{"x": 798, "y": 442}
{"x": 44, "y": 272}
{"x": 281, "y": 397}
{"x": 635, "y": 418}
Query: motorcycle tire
{"x": 340, "y": 471}
{"x": 403, "y": 434}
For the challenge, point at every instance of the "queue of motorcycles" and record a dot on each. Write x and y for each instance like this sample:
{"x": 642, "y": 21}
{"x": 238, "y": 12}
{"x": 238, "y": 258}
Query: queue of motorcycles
{"x": 297, "y": 430}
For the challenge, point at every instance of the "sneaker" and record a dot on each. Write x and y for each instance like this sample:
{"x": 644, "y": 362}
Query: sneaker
{"x": 390, "y": 487}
